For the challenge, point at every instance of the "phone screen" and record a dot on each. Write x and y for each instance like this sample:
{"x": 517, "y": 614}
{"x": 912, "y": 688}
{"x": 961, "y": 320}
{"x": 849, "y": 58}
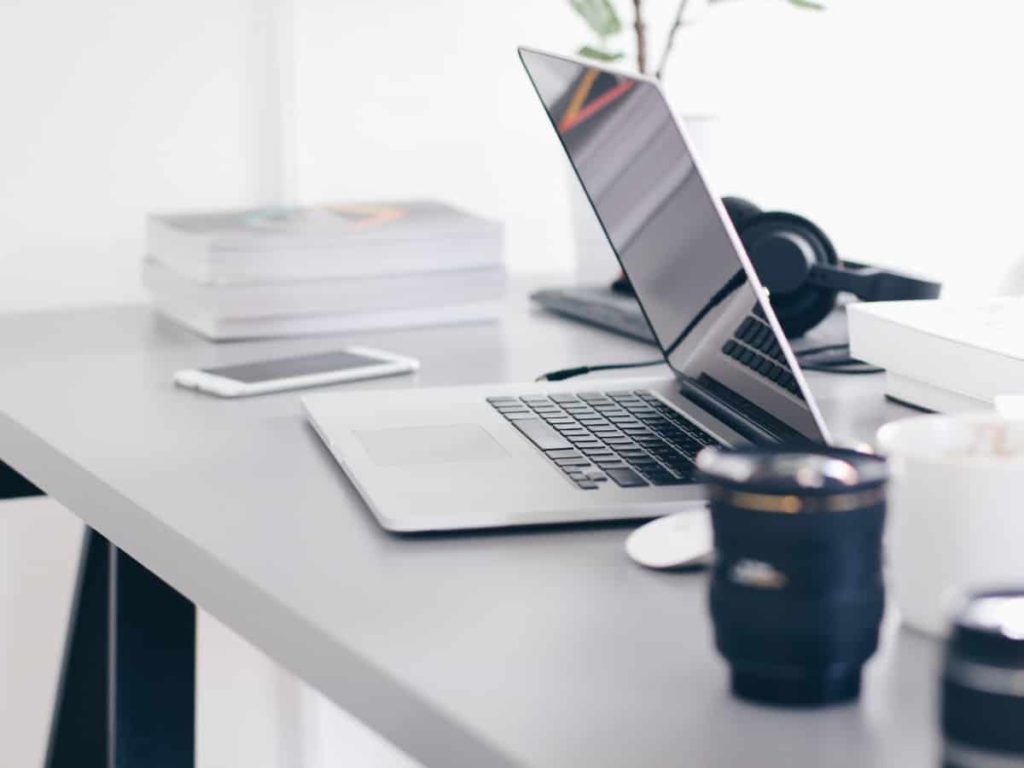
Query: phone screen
{"x": 286, "y": 368}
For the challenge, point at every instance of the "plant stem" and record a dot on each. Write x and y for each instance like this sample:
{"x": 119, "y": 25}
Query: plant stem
{"x": 641, "y": 36}
{"x": 671, "y": 38}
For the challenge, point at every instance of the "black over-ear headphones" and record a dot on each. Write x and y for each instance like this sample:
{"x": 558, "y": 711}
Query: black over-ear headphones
{"x": 798, "y": 264}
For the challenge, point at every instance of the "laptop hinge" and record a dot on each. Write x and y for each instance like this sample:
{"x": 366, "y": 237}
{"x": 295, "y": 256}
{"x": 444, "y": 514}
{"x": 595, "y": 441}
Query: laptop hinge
{"x": 759, "y": 432}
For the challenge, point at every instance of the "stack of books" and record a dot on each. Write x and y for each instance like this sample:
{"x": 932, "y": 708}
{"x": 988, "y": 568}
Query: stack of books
{"x": 945, "y": 355}
{"x": 326, "y": 269}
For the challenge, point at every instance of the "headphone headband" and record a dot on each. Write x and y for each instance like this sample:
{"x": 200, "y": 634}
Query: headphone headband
{"x": 798, "y": 264}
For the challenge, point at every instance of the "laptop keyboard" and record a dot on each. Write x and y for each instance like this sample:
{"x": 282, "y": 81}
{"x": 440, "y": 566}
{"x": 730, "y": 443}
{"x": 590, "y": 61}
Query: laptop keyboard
{"x": 631, "y": 439}
{"x": 754, "y": 346}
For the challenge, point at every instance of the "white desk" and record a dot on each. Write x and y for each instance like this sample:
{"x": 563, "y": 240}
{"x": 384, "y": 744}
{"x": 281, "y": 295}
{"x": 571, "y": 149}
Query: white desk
{"x": 545, "y": 648}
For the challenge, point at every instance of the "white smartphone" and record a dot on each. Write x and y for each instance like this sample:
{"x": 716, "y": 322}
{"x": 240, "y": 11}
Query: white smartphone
{"x": 258, "y": 378}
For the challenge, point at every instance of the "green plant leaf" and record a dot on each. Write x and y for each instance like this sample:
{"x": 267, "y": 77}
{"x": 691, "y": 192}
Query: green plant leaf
{"x": 600, "y": 16}
{"x": 812, "y": 4}
{"x": 590, "y": 52}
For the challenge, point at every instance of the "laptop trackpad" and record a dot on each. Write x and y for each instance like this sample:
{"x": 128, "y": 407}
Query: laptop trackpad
{"x": 441, "y": 444}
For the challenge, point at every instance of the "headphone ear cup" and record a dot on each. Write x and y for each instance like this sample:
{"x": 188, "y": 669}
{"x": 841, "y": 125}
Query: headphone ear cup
{"x": 740, "y": 211}
{"x": 798, "y": 306}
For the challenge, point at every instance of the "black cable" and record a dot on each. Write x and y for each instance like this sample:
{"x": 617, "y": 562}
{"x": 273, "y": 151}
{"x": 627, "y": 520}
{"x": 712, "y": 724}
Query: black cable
{"x": 841, "y": 369}
{"x": 568, "y": 373}
{"x": 843, "y": 365}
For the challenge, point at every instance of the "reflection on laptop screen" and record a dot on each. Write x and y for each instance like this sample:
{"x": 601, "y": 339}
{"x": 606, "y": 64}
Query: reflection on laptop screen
{"x": 672, "y": 242}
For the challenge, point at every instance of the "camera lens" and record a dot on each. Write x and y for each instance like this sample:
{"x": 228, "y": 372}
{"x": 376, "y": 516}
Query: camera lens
{"x": 983, "y": 683}
{"x": 796, "y": 589}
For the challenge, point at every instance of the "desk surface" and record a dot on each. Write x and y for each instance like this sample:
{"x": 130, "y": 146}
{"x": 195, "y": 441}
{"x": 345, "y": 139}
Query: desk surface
{"x": 545, "y": 648}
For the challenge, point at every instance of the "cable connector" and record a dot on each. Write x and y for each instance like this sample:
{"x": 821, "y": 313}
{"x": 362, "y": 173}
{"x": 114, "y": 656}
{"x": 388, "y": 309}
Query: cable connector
{"x": 568, "y": 373}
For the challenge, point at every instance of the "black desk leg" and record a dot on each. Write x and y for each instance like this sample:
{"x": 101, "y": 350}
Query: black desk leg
{"x": 78, "y": 732}
{"x": 13, "y": 485}
{"x": 127, "y": 690}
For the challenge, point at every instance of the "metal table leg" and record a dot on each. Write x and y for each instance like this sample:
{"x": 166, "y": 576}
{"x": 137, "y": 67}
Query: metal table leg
{"x": 126, "y": 695}
{"x": 127, "y": 689}
{"x": 13, "y": 485}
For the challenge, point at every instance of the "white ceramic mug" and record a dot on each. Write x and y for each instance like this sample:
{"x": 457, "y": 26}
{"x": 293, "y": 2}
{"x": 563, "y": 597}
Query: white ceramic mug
{"x": 956, "y": 511}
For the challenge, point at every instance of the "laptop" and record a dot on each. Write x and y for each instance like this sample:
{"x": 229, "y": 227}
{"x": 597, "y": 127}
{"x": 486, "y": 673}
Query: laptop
{"x": 608, "y": 449}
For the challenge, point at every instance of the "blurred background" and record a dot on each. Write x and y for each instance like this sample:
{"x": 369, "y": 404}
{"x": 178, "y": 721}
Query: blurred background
{"x": 890, "y": 122}
{"x": 895, "y": 124}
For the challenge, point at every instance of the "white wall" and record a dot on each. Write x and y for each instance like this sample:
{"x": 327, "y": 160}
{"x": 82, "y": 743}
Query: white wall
{"x": 111, "y": 109}
{"x": 893, "y": 122}
{"x": 429, "y": 99}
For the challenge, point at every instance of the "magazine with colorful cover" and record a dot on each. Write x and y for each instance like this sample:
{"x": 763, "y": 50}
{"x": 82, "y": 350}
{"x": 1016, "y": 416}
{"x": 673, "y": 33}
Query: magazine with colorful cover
{"x": 323, "y": 241}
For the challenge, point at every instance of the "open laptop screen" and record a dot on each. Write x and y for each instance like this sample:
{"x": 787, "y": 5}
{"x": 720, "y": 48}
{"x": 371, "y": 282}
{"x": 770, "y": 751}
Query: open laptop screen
{"x": 674, "y": 244}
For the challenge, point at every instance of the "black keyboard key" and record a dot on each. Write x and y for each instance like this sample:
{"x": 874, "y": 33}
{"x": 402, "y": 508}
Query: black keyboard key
{"x": 642, "y": 412}
{"x": 580, "y": 462}
{"x": 586, "y": 443}
{"x": 681, "y": 471}
{"x": 669, "y": 480}
{"x": 587, "y": 485}
{"x": 625, "y": 477}
{"x": 609, "y": 410}
{"x": 519, "y": 415}
{"x": 565, "y": 453}
{"x": 632, "y": 453}
{"x": 645, "y": 465}
{"x": 500, "y": 400}
{"x": 662, "y": 452}
{"x": 620, "y": 442}
{"x": 541, "y": 435}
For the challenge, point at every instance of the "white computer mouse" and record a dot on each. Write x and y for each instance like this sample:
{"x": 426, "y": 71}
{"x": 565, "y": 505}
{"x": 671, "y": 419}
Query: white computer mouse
{"x": 682, "y": 540}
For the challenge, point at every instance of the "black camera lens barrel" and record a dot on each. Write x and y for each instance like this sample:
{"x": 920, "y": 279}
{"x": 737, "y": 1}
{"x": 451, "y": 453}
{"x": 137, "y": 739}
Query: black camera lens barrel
{"x": 983, "y": 683}
{"x": 796, "y": 590}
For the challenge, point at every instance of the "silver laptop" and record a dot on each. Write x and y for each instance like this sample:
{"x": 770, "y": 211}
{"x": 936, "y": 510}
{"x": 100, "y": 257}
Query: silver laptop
{"x": 495, "y": 456}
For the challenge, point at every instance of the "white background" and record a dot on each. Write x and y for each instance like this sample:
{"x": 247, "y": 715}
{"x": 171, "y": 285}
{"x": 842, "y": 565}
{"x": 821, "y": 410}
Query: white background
{"x": 895, "y": 123}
